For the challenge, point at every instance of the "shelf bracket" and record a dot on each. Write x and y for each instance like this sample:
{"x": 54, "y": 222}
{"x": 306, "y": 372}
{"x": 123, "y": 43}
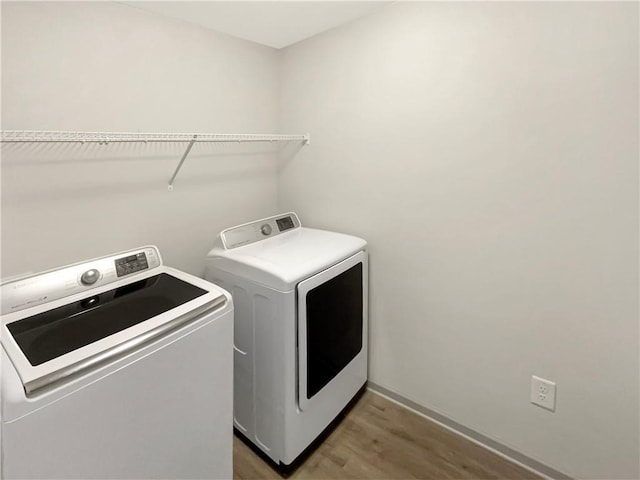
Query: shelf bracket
{"x": 184, "y": 157}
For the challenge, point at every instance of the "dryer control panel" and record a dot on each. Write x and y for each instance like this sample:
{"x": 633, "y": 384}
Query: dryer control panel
{"x": 259, "y": 230}
{"x": 40, "y": 288}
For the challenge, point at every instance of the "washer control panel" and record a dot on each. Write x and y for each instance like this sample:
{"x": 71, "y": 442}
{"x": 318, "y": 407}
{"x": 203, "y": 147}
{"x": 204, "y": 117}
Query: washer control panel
{"x": 47, "y": 286}
{"x": 259, "y": 230}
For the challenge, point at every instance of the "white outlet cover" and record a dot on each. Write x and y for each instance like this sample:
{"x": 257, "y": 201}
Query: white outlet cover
{"x": 543, "y": 393}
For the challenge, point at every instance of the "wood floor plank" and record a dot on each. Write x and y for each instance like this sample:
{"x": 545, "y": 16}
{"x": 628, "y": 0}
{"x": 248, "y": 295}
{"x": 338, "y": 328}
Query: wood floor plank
{"x": 379, "y": 439}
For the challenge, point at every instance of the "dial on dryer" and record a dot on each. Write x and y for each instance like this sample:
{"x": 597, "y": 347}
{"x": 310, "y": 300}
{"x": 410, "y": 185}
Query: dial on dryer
{"x": 266, "y": 229}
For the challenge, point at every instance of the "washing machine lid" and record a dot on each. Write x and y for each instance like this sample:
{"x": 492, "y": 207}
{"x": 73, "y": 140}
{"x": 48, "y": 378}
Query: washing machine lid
{"x": 133, "y": 305}
{"x": 282, "y": 261}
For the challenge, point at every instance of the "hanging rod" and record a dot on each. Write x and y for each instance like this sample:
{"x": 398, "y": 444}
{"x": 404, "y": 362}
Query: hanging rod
{"x": 104, "y": 138}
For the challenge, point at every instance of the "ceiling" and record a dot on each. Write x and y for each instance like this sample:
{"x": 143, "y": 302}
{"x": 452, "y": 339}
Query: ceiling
{"x": 275, "y": 24}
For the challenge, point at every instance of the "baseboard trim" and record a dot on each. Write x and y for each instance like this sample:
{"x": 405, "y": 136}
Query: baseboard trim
{"x": 477, "y": 438}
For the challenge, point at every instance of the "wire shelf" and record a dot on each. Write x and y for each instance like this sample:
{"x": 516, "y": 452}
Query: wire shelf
{"x": 16, "y": 136}
{"x": 104, "y": 138}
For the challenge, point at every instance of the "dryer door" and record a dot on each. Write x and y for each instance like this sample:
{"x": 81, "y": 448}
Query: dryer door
{"x": 331, "y": 325}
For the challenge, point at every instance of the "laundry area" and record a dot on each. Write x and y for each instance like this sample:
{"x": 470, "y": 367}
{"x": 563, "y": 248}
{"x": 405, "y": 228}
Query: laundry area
{"x": 386, "y": 239}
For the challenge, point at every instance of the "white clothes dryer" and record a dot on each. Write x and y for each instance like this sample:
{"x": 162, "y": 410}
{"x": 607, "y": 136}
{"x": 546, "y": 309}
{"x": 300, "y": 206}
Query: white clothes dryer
{"x": 118, "y": 367}
{"x": 300, "y": 328}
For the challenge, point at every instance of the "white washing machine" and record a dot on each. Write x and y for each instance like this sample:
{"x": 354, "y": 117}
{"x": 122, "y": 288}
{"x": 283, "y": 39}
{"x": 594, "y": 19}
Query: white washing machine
{"x": 300, "y": 328}
{"x": 118, "y": 367}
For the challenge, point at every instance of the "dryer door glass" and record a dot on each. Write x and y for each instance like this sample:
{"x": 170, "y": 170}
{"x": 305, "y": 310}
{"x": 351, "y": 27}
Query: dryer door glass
{"x": 53, "y": 333}
{"x": 334, "y": 327}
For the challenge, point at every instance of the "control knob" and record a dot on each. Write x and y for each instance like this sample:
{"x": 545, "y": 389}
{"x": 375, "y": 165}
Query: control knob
{"x": 266, "y": 229}
{"x": 90, "y": 276}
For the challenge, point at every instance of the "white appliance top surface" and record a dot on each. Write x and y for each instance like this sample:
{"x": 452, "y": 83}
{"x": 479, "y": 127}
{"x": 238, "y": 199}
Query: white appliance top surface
{"x": 40, "y": 293}
{"x": 283, "y": 260}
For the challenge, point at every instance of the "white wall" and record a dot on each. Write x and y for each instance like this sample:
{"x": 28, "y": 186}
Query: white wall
{"x": 489, "y": 154}
{"x": 97, "y": 66}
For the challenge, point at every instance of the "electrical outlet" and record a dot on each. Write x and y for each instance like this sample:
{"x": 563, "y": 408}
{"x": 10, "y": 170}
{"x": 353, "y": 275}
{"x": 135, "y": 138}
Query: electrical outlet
{"x": 543, "y": 393}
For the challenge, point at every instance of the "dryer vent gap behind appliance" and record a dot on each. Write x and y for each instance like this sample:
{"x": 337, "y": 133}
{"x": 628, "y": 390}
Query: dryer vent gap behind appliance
{"x": 300, "y": 328}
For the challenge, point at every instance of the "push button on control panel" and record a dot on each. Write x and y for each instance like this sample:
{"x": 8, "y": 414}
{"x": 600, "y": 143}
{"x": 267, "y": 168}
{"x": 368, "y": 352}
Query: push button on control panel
{"x": 131, "y": 264}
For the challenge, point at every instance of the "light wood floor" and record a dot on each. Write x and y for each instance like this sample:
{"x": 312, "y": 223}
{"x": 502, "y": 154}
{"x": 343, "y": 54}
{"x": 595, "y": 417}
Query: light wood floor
{"x": 379, "y": 439}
